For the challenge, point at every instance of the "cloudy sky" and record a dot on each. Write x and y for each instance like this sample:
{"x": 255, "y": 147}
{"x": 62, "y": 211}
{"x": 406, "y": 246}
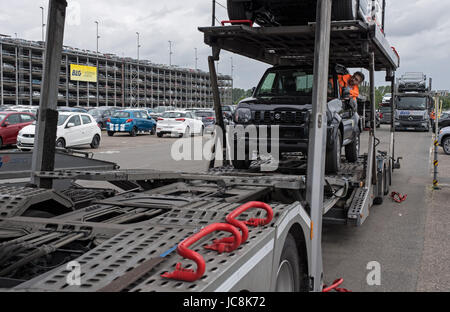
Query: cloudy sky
{"x": 419, "y": 29}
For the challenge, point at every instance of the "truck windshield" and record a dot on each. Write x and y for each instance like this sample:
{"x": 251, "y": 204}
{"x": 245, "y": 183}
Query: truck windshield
{"x": 289, "y": 82}
{"x": 411, "y": 103}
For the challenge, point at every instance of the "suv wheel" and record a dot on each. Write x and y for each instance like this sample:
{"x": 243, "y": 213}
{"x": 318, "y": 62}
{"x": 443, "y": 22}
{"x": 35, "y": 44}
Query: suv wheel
{"x": 352, "y": 149}
{"x": 333, "y": 156}
{"x": 133, "y": 132}
{"x": 110, "y": 133}
{"x": 345, "y": 10}
{"x": 153, "y": 131}
{"x": 236, "y": 10}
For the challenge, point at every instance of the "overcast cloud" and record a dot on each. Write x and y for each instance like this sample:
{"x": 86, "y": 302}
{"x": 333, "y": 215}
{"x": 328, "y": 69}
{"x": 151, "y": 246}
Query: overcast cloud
{"x": 418, "y": 29}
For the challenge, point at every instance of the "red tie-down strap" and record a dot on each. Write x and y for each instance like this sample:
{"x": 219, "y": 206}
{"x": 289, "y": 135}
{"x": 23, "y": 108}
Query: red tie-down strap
{"x": 188, "y": 275}
{"x": 397, "y": 197}
{"x": 226, "y": 243}
{"x": 335, "y": 287}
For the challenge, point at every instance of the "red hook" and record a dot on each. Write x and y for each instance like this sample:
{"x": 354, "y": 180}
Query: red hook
{"x": 226, "y": 243}
{"x": 189, "y": 275}
{"x": 335, "y": 287}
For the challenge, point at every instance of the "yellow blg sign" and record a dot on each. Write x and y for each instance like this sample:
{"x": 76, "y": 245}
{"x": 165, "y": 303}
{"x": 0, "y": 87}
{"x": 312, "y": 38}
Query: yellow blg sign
{"x": 83, "y": 73}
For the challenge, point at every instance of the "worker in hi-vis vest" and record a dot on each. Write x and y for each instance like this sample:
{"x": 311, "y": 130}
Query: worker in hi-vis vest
{"x": 350, "y": 86}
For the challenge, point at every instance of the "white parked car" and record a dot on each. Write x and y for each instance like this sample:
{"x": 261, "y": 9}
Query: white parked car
{"x": 180, "y": 123}
{"x": 387, "y": 98}
{"x": 74, "y": 129}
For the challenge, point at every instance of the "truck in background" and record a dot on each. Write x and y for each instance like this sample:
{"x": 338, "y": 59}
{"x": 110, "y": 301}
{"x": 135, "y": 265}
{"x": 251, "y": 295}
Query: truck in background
{"x": 413, "y": 103}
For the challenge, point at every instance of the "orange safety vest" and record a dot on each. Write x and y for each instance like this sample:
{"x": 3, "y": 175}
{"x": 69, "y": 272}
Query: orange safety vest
{"x": 343, "y": 82}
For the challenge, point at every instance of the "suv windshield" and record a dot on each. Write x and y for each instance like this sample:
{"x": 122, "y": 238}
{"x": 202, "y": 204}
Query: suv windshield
{"x": 411, "y": 103}
{"x": 289, "y": 82}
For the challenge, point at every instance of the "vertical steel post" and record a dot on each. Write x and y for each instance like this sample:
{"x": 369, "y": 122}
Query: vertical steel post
{"x": 44, "y": 146}
{"x": 436, "y": 145}
{"x": 392, "y": 144}
{"x": 213, "y": 13}
{"x": 317, "y": 140}
{"x": 373, "y": 113}
{"x": 217, "y": 105}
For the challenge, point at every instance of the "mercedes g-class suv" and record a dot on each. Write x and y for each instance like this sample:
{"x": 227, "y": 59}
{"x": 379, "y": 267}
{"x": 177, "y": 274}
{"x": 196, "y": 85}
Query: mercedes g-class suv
{"x": 283, "y": 98}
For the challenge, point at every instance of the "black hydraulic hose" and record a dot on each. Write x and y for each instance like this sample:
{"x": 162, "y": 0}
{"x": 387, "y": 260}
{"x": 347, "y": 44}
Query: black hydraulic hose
{"x": 41, "y": 251}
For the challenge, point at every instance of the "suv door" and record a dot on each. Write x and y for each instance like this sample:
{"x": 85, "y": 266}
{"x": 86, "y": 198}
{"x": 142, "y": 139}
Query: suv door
{"x": 11, "y": 128}
{"x": 73, "y": 135}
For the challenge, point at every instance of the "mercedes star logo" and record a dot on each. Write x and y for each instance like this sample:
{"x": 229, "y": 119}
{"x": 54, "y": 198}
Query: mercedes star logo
{"x": 277, "y": 116}
{"x": 411, "y": 118}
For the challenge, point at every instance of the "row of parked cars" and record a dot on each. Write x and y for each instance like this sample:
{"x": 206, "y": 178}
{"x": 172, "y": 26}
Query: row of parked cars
{"x": 78, "y": 126}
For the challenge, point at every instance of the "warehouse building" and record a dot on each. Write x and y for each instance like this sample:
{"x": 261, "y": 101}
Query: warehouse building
{"x": 95, "y": 79}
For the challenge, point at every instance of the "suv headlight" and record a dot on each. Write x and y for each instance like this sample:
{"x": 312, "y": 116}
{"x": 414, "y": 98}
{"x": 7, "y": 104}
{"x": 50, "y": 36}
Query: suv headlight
{"x": 243, "y": 115}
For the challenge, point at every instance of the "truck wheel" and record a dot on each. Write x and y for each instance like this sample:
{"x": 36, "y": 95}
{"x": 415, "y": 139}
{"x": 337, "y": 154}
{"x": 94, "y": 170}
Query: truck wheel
{"x": 333, "y": 156}
{"x": 344, "y": 10}
{"x": 288, "y": 274}
{"x": 352, "y": 149}
{"x": 236, "y": 10}
{"x": 446, "y": 145}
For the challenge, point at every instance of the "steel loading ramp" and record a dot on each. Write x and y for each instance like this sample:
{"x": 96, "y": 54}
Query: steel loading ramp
{"x": 294, "y": 45}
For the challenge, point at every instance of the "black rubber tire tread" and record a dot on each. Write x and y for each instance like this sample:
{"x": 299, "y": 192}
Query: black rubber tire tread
{"x": 342, "y": 10}
{"x": 290, "y": 253}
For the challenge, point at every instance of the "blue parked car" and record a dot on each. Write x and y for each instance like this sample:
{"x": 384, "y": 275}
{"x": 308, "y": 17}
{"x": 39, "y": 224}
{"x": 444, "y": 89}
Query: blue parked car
{"x": 131, "y": 121}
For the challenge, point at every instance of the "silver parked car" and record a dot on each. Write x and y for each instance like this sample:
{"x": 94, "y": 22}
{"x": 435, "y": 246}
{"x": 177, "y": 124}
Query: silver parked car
{"x": 444, "y": 139}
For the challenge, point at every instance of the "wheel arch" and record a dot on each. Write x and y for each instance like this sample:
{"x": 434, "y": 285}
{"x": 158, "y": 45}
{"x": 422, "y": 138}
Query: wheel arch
{"x": 300, "y": 240}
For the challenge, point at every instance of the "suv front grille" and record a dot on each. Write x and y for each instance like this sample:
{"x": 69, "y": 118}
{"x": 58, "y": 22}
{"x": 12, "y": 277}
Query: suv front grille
{"x": 279, "y": 117}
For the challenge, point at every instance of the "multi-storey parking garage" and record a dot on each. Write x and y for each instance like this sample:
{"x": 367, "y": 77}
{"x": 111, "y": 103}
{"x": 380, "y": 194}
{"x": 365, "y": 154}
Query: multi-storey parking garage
{"x": 119, "y": 82}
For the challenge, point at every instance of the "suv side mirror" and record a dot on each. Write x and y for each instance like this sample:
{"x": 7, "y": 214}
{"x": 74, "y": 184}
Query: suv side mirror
{"x": 5, "y": 124}
{"x": 70, "y": 125}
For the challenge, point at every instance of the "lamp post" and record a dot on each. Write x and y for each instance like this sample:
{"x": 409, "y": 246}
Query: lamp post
{"x": 43, "y": 25}
{"x": 196, "y": 58}
{"x": 97, "y": 36}
{"x": 170, "y": 53}
{"x": 138, "y": 45}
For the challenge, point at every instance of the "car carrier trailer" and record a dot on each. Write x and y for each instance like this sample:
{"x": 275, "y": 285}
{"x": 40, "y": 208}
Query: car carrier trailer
{"x": 139, "y": 239}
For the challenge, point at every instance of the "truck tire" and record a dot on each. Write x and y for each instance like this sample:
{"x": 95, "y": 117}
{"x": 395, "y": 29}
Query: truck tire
{"x": 345, "y": 10}
{"x": 333, "y": 156}
{"x": 288, "y": 273}
{"x": 236, "y": 10}
{"x": 352, "y": 149}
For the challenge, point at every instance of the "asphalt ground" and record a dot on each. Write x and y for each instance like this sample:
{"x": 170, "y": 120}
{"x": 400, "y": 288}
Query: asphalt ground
{"x": 410, "y": 241}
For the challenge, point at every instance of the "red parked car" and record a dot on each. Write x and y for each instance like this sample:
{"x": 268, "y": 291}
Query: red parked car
{"x": 10, "y": 125}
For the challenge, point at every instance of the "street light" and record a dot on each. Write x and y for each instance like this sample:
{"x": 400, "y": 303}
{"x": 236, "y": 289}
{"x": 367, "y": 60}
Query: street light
{"x": 97, "y": 37}
{"x": 43, "y": 25}
{"x": 170, "y": 53}
{"x": 138, "y": 45}
{"x": 196, "y": 58}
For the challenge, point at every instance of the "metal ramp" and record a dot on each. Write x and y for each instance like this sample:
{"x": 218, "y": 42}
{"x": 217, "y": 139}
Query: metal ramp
{"x": 294, "y": 45}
